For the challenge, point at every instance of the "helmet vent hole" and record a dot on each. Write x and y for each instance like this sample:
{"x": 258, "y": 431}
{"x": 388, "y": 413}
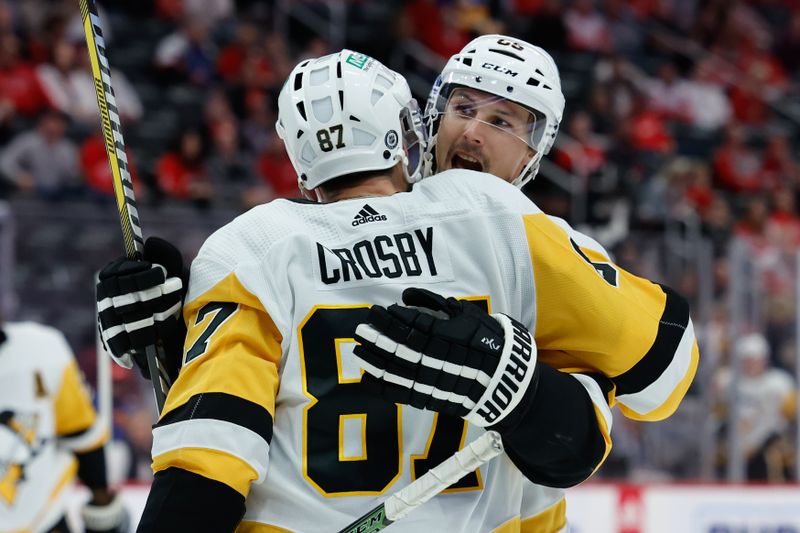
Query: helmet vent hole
{"x": 362, "y": 138}
{"x": 323, "y": 109}
{"x": 298, "y": 81}
{"x": 539, "y": 72}
{"x": 547, "y": 87}
{"x": 341, "y": 99}
{"x": 533, "y": 81}
{"x": 376, "y": 95}
{"x": 506, "y": 53}
{"x": 299, "y": 133}
{"x": 307, "y": 154}
{"x": 339, "y": 69}
{"x": 471, "y": 51}
{"x": 467, "y": 61}
{"x": 384, "y": 82}
{"x": 319, "y": 76}
{"x": 387, "y": 154}
{"x": 510, "y": 89}
{"x": 354, "y": 118}
{"x": 301, "y": 108}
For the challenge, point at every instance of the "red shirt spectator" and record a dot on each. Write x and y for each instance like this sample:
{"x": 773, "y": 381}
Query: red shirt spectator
{"x": 277, "y": 171}
{"x": 580, "y": 152}
{"x": 736, "y": 166}
{"x": 19, "y": 85}
{"x": 96, "y": 170}
{"x": 436, "y": 27}
{"x": 183, "y": 174}
{"x": 647, "y": 132}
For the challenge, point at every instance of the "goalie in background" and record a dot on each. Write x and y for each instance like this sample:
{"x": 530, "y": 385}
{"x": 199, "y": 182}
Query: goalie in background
{"x": 48, "y": 435}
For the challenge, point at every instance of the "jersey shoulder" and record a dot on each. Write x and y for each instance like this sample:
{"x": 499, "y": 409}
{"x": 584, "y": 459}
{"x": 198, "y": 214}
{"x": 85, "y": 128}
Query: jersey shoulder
{"x": 478, "y": 189}
{"x": 36, "y": 342}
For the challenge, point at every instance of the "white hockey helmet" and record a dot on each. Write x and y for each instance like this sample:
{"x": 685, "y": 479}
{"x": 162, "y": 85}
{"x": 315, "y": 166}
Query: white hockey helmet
{"x": 511, "y": 69}
{"x": 346, "y": 113}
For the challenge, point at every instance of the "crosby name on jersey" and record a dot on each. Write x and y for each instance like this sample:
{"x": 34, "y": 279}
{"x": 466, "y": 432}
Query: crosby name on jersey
{"x": 269, "y": 400}
{"x": 407, "y": 254}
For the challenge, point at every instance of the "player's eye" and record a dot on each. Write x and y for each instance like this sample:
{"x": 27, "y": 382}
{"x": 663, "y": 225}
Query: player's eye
{"x": 464, "y": 109}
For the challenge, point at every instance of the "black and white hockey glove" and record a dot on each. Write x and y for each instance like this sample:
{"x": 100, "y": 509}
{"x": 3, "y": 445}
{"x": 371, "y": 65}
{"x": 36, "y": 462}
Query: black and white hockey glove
{"x": 139, "y": 304}
{"x": 449, "y": 356}
{"x": 109, "y": 518}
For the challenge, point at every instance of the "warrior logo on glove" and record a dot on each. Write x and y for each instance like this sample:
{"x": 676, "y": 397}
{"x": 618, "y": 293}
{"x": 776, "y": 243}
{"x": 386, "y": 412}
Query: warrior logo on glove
{"x": 447, "y": 355}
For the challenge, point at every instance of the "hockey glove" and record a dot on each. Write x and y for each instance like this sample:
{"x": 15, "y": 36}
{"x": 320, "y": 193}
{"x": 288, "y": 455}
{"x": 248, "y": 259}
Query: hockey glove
{"x": 449, "y": 356}
{"x": 109, "y": 518}
{"x": 139, "y": 304}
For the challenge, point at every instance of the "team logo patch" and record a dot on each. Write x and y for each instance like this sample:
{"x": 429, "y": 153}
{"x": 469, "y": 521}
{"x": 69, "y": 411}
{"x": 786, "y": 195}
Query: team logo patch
{"x": 390, "y": 140}
{"x": 367, "y": 214}
{"x": 357, "y": 60}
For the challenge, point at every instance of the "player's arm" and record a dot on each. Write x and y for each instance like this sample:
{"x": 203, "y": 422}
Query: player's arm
{"x": 212, "y": 440}
{"x": 595, "y": 318}
{"x": 74, "y": 421}
{"x": 450, "y": 356}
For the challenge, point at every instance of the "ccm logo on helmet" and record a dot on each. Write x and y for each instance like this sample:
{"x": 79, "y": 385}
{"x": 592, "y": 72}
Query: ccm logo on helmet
{"x": 498, "y": 68}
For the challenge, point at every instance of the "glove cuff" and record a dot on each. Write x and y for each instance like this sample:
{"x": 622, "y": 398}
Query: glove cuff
{"x": 110, "y": 517}
{"x": 512, "y": 377}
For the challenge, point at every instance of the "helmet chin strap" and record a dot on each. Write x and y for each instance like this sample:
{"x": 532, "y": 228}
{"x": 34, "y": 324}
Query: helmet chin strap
{"x": 528, "y": 172}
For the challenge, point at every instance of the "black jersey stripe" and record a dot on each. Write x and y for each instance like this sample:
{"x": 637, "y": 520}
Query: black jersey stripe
{"x": 225, "y": 407}
{"x": 671, "y": 328}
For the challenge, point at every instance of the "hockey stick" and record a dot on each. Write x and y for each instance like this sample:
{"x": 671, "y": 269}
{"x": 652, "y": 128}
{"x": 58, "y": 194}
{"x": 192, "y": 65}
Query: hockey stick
{"x": 398, "y": 505}
{"x": 115, "y": 149}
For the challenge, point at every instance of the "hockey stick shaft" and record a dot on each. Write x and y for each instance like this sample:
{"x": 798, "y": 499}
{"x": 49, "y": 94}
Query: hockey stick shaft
{"x": 398, "y": 505}
{"x": 118, "y": 161}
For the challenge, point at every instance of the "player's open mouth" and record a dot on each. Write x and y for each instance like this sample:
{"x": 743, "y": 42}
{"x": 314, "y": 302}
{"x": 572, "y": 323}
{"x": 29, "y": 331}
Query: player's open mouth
{"x": 465, "y": 161}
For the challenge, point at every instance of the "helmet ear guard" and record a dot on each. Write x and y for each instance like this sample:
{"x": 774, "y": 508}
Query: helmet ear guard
{"x": 507, "y": 68}
{"x": 346, "y": 113}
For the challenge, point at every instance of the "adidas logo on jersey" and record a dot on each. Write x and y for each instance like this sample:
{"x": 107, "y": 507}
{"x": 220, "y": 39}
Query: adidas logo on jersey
{"x": 367, "y": 214}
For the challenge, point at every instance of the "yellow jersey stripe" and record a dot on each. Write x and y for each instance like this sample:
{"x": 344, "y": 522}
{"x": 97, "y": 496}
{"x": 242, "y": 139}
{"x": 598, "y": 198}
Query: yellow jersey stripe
{"x": 212, "y": 464}
{"x": 551, "y": 520}
{"x": 241, "y": 356}
{"x": 246, "y": 526}
{"x": 72, "y": 404}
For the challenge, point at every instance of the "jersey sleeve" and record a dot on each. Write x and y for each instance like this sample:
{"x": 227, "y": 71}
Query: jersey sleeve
{"x": 72, "y": 402}
{"x": 218, "y": 416}
{"x": 594, "y": 318}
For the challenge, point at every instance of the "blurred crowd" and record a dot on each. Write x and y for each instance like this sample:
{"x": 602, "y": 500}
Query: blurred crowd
{"x": 686, "y": 111}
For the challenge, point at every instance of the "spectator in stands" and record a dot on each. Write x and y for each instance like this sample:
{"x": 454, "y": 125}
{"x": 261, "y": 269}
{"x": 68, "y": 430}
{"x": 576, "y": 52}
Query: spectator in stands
{"x": 232, "y": 56}
{"x": 717, "y": 224}
{"x": 182, "y": 172}
{"x": 626, "y": 35}
{"x": 708, "y": 107}
{"x": 752, "y": 226}
{"x": 43, "y": 161}
{"x": 646, "y": 131}
{"x": 783, "y": 225}
{"x": 276, "y": 169}
{"x": 779, "y": 167}
{"x": 580, "y": 152}
{"x": 766, "y": 406}
{"x": 232, "y": 168}
{"x": 736, "y": 165}
{"x": 188, "y": 54}
{"x": 69, "y": 85}
{"x": 587, "y": 29}
{"x": 699, "y": 191}
{"x": 20, "y": 90}
{"x": 668, "y": 93}
{"x": 97, "y": 172}
{"x": 436, "y": 27}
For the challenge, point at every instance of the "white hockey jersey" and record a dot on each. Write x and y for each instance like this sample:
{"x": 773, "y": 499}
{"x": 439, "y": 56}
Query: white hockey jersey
{"x": 42, "y": 397}
{"x": 269, "y": 399}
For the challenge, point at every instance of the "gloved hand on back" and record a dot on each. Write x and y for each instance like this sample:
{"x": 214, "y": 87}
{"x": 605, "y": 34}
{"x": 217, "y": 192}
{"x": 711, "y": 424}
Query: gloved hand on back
{"x": 449, "y": 356}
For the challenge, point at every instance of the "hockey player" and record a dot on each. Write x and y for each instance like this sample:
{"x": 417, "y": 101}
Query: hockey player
{"x": 496, "y": 107}
{"x": 46, "y": 417}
